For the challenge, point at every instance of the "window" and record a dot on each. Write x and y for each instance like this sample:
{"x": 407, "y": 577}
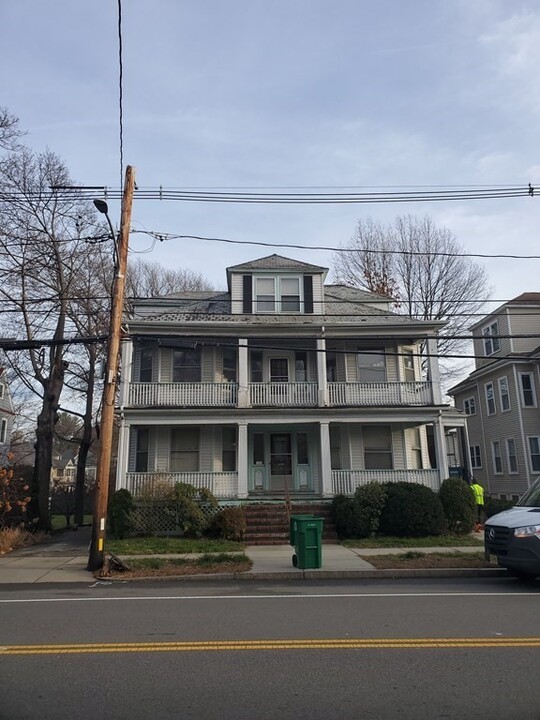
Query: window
{"x": 534, "y": 453}
{"x": 265, "y": 294}
{"x": 278, "y": 294}
{"x": 186, "y": 366}
{"x": 490, "y": 398}
{"x": 229, "y": 364}
{"x": 3, "y": 431}
{"x": 141, "y": 453}
{"x": 331, "y": 367}
{"x": 371, "y": 366}
{"x": 511, "y": 456}
{"x": 504, "y": 395}
{"x": 147, "y": 363}
{"x": 302, "y": 455}
{"x": 491, "y": 344}
{"x": 2, "y": 391}
{"x": 476, "y": 457}
{"x": 335, "y": 447}
{"x": 300, "y": 365}
{"x": 408, "y": 366}
{"x": 258, "y": 449}
{"x": 377, "y": 447}
{"x": 496, "y": 455}
{"x": 290, "y": 294}
{"x": 228, "y": 449}
{"x": 185, "y": 449}
{"x": 416, "y": 449}
{"x": 528, "y": 398}
{"x": 469, "y": 405}
{"x": 256, "y": 366}
{"x": 279, "y": 370}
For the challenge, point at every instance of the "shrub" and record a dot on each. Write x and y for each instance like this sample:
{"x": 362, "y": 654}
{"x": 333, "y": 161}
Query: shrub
{"x": 166, "y": 509}
{"x": 14, "y": 496}
{"x": 12, "y": 538}
{"x": 229, "y": 524}
{"x": 368, "y": 504}
{"x": 121, "y": 507}
{"x": 344, "y": 517}
{"x": 492, "y": 506}
{"x": 412, "y": 510}
{"x": 458, "y": 504}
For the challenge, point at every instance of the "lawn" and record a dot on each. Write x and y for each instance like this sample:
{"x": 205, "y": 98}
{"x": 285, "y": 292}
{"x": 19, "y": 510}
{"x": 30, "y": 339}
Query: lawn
{"x": 208, "y": 563}
{"x": 418, "y": 560}
{"x": 383, "y": 541}
{"x": 166, "y": 545}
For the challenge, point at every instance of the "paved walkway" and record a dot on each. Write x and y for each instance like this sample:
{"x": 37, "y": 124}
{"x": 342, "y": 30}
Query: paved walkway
{"x": 64, "y": 559}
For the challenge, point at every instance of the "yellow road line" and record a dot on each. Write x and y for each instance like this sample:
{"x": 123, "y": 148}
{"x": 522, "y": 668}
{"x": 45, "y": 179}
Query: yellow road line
{"x": 234, "y": 645}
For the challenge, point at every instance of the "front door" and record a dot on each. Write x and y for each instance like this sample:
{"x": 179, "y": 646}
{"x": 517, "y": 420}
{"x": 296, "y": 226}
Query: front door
{"x": 280, "y": 462}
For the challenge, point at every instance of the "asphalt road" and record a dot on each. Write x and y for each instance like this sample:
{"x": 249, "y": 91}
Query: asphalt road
{"x": 350, "y": 649}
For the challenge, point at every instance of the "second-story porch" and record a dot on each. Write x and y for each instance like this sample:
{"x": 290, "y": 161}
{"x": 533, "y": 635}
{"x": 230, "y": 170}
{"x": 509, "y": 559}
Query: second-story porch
{"x": 242, "y": 373}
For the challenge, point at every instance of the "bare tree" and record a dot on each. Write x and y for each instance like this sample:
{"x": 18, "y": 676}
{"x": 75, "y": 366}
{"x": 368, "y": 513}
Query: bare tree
{"x": 146, "y": 279}
{"x": 9, "y": 130}
{"x": 422, "y": 267}
{"x": 41, "y": 255}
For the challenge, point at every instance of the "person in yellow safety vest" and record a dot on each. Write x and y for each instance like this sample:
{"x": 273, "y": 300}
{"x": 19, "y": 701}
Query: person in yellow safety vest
{"x": 478, "y": 492}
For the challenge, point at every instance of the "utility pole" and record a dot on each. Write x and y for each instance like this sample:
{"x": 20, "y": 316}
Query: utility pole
{"x": 99, "y": 525}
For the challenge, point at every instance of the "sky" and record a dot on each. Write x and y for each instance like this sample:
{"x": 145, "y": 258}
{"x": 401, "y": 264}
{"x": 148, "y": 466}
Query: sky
{"x": 288, "y": 94}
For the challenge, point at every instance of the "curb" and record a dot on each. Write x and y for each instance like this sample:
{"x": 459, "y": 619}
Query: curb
{"x": 324, "y": 575}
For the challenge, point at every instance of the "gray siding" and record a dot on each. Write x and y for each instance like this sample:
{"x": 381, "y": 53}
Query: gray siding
{"x": 505, "y": 343}
{"x": 524, "y": 321}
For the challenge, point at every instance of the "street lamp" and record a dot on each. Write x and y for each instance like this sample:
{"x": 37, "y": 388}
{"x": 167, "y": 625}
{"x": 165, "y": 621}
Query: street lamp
{"x": 97, "y": 543}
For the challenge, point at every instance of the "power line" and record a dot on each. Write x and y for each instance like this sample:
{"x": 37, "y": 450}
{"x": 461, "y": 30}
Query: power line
{"x": 162, "y": 236}
{"x": 120, "y": 93}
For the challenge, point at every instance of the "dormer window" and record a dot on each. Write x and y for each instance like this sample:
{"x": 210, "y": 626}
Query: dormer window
{"x": 491, "y": 343}
{"x": 277, "y": 294}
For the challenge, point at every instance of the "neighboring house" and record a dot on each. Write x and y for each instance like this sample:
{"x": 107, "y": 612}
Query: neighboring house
{"x": 64, "y": 470}
{"x": 281, "y": 386}
{"x": 501, "y": 397}
{"x": 6, "y": 414}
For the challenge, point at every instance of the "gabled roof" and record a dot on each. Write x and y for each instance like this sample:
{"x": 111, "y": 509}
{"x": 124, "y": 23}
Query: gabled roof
{"x": 276, "y": 262}
{"x": 526, "y": 297}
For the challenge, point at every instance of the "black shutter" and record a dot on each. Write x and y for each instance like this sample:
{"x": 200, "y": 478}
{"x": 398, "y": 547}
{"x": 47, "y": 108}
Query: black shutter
{"x": 308, "y": 293}
{"x": 247, "y": 295}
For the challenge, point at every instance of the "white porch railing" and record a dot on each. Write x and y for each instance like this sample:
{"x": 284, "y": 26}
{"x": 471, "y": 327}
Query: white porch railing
{"x": 380, "y": 393}
{"x": 345, "y": 482}
{"x": 283, "y": 394}
{"x": 221, "y": 484}
{"x": 205, "y": 394}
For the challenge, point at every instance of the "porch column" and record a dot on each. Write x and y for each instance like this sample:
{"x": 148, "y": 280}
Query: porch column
{"x": 326, "y": 464}
{"x": 127, "y": 370}
{"x": 242, "y": 460}
{"x": 243, "y": 383}
{"x": 123, "y": 451}
{"x": 433, "y": 370}
{"x": 321, "y": 372}
{"x": 440, "y": 448}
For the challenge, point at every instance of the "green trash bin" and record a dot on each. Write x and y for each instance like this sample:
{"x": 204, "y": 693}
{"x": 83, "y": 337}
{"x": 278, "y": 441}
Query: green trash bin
{"x": 293, "y": 527}
{"x": 307, "y": 532}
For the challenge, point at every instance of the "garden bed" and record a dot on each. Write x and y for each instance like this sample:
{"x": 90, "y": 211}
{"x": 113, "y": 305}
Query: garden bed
{"x": 418, "y": 560}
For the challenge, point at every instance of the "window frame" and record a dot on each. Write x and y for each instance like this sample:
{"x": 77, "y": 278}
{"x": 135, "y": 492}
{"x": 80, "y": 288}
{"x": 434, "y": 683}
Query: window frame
{"x": 475, "y": 455}
{"x": 148, "y": 355}
{"x": 486, "y": 386}
{"x": 182, "y": 453}
{"x": 279, "y": 296}
{"x": 509, "y": 455}
{"x": 2, "y": 390}
{"x": 506, "y": 395}
{"x": 532, "y": 390}
{"x": 489, "y": 340}
{"x": 370, "y": 352}
{"x": 3, "y": 431}
{"x": 376, "y": 450}
{"x": 228, "y": 448}
{"x": 178, "y": 366}
{"x": 536, "y": 454}
{"x": 496, "y": 457}
{"x": 142, "y": 454}
{"x": 469, "y": 405}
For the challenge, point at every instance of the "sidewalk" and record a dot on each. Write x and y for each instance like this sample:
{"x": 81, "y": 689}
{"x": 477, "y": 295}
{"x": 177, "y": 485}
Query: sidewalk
{"x": 64, "y": 559}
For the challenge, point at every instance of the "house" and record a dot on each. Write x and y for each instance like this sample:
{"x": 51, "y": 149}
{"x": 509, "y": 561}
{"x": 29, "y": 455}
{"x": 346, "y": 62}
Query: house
{"x": 281, "y": 387}
{"x": 500, "y": 397}
{"x": 6, "y": 415}
{"x": 64, "y": 470}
